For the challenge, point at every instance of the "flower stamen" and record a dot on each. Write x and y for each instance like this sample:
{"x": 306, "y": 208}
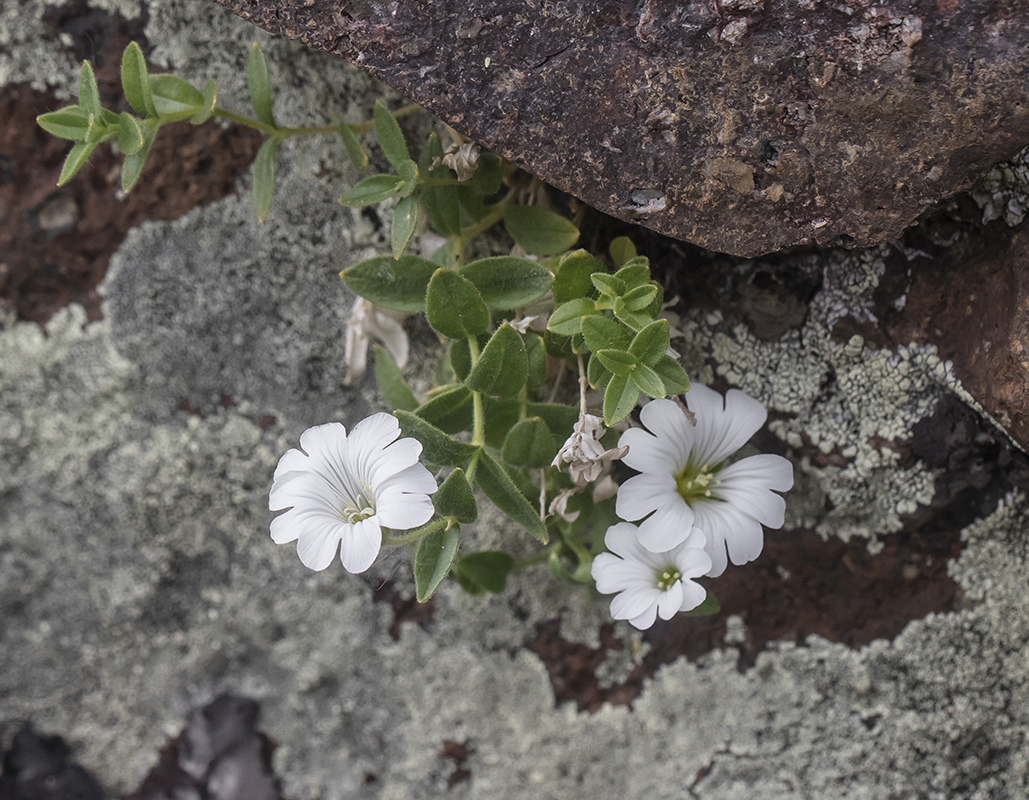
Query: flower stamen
{"x": 668, "y": 577}
{"x": 695, "y": 483}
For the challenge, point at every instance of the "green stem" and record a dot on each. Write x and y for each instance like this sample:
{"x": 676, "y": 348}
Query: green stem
{"x": 407, "y": 538}
{"x": 492, "y": 218}
{"x": 540, "y": 557}
{"x": 478, "y": 423}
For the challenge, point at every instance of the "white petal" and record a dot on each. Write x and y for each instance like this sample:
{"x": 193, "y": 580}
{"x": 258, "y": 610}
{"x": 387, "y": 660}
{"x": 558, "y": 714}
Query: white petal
{"x": 322, "y": 439}
{"x": 667, "y": 527}
{"x": 291, "y": 461}
{"x": 613, "y": 574}
{"x": 402, "y": 512}
{"x": 770, "y": 471}
{"x": 391, "y": 333}
{"x": 723, "y": 426}
{"x": 633, "y": 602}
{"x": 728, "y": 527}
{"x": 284, "y": 528}
{"x": 673, "y": 429}
{"x": 360, "y": 545}
{"x": 670, "y": 602}
{"x": 765, "y": 506}
{"x": 414, "y": 479}
{"x": 370, "y": 437}
{"x": 693, "y": 594}
{"x": 691, "y": 560}
{"x": 648, "y": 453}
{"x": 317, "y": 544}
{"x": 644, "y": 620}
{"x": 644, "y": 493}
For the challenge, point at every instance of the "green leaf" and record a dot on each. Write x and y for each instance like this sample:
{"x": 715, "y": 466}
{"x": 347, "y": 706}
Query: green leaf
{"x": 651, "y": 343}
{"x": 558, "y": 345}
{"x": 538, "y": 231}
{"x": 437, "y": 446}
{"x": 502, "y": 366}
{"x": 572, "y": 279}
{"x": 604, "y": 333}
{"x": 633, "y": 319}
{"x": 135, "y": 83}
{"x": 560, "y": 418}
{"x": 618, "y": 361}
{"x": 449, "y": 409}
{"x": 441, "y": 203}
{"x": 172, "y": 95}
{"x": 622, "y": 249}
{"x": 494, "y": 481}
{"x": 405, "y": 220}
{"x": 264, "y": 178}
{"x": 489, "y": 175}
{"x": 258, "y": 85}
{"x": 647, "y": 381}
{"x": 371, "y": 191}
{"x": 567, "y": 318}
{"x": 530, "y": 444}
{"x": 433, "y": 558}
{"x": 75, "y": 160}
{"x": 506, "y": 282}
{"x": 408, "y": 172}
{"x": 133, "y": 165}
{"x": 89, "y": 94}
{"x": 355, "y": 152}
{"x": 461, "y": 357}
{"x": 483, "y": 572}
{"x": 707, "y": 608}
{"x": 639, "y": 298}
{"x": 391, "y": 381}
{"x": 454, "y": 306}
{"x": 391, "y": 138}
{"x": 673, "y": 376}
{"x": 66, "y": 123}
{"x": 454, "y": 498}
{"x": 608, "y": 284}
{"x": 130, "y": 137}
{"x": 536, "y": 354}
{"x": 500, "y": 415}
{"x": 397, "y": 284}
{"x": 596, "y": 373}
{"x": 210, "y": 101}
{"x": 619, "y": 399}
{"x": 635, "y": 272}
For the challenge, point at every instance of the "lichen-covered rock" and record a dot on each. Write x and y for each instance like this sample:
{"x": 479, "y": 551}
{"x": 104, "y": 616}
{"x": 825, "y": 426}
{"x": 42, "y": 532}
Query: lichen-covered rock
{"x": 743, "y": 126}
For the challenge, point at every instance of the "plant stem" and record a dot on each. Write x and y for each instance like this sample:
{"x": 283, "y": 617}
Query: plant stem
{"x": 478, "y": 423}
{"x": 407, "y": 538}
{"x": 538, "y": 558}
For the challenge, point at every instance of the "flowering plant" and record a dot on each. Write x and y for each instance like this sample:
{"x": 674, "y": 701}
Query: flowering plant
{"x": 497, "y": 423}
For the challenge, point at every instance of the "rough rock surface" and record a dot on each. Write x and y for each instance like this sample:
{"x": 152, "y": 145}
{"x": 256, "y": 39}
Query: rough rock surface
{"x": 138, "y": 580}
{"x": 744, "y": 126}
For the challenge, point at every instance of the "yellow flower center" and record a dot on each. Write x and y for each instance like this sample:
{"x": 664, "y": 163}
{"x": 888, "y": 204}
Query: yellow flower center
{"x": 667, "y": 577}
{"x": 694, "y": 483}
{"x": 360, "y": 508}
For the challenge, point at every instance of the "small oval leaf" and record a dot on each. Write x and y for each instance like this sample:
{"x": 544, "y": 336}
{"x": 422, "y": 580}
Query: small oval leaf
{"x": 371, "y": 191}
{"x": 454, "y": 306}
{"x": 397, "y": 284}
{"x": 502, "y": 366}
{"x": 405, "y": 220}
{"x": 433, "y": 558}
{"x": 437, "y": 446}
{"x": 506, "y": 283}
{"x": 454, "y": 498}
{"x": 494, "y": 481}
{"x": 67, "y": 123}
{"x": 264, "y": 178}
{"x": 391, "y": 138}
{"x": 130, "y": 137}
{"x": 172, "y": 95}
{"x": 530, "y": 444}
{"x": 258, "y": 85}
{"x": 135, "y": 82}
{"x": 538, "y": 231}
{"x": 391, "y": 381}
{"x": 89, "y": 94}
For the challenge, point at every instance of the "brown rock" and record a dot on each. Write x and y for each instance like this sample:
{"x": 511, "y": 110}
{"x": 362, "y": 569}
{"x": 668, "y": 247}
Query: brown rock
{"x": 744, "y": 126}
{"x": 976, "y": 311}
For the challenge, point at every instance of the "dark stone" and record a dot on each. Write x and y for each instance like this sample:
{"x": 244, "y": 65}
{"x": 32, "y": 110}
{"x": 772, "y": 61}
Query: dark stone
{"x": 38, "y": 768}
{"x": 745, "y": 126}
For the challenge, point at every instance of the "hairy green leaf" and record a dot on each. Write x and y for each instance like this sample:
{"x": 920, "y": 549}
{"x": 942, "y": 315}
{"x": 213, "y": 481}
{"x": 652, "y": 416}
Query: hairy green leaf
{"x": 135, "y": 82}
{"x": 75, "y": 160}
{"x": 454, "y": 498}
{"x": 405, "y": 219}
{"x": 483, "y": 572}
{"x": 355, "y": 152}
{"x": 433, "y": 558}
{"x": 559, "y": 417}
{"x": 673, "y": 376}
{"x": 567, "y": 318}
{"x": 89, "y": 94}
{"x": 437, "y": 446}
{"x": 608, "y": 284}
{"x": 538, "y": 231}
{"x": 651, "y": 343}
{"x": 647, "y": 381}
{"x": 506, "y": 282}
{"x": 70, "y": 123}
{"x": 494, "y": 481}
{"x": 530, "y": 444}
{"x": 264, "y": 178}
{"x": 371, "y": 191}
{"x": 130, "y": 136}
{"x": 454, "y": 306}
{"x": 441, "y": 204}
{"x": 604, "y": 333}
{"x": 619, "y": 399}
{"x": 502, "y": 366}
{"x": 133, "y": 165}
{"x": 449, "y": 409}
{"x": 397, "y": 284}
{"x": 391, "y": 381}
{"x": 622, "y": 249}
{"x": 258, "y": 85}
{"x": 618, "y": 361}
{"x": 172, "y": 95}
{"x": 210, "y": 101}
{"x": 391, "y": 138}
{"x": 572, "y": 279}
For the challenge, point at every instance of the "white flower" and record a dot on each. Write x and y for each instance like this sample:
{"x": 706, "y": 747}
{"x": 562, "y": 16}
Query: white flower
{"x": 686, "y": 483}
{"x": 650, "y": 584}
{"x": 584, "y": 452}
{"x": 341, "y": 491}
{"x": 368, "y": 320}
